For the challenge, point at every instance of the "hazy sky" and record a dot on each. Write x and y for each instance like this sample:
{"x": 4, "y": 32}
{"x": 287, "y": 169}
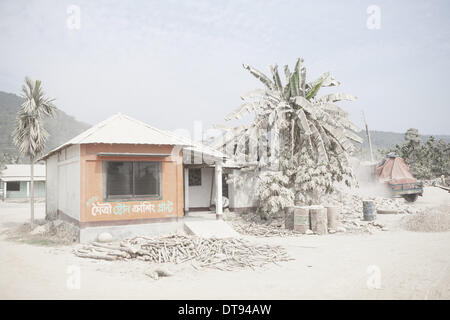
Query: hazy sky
{"x": 170, "y": 63}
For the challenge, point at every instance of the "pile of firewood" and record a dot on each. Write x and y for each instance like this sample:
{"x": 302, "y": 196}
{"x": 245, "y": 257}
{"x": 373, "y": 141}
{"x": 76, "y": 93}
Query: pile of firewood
{"x": 224, "y": 254}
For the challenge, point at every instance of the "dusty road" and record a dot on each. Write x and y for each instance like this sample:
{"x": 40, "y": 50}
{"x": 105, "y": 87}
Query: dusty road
{"x": 393, "y": 264}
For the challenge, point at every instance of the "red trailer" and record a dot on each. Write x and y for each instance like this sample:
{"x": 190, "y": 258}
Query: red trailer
{"x": 394, "y": 171}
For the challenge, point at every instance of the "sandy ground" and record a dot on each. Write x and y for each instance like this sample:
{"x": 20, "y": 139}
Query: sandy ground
{"x": 394, "y": 264}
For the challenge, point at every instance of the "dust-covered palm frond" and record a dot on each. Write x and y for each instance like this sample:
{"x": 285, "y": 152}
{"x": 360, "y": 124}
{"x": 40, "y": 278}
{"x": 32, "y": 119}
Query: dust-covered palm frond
{"x": 255, "y": 101}
{"x": 339, "y": 136}
{"x": 314, "y": 89}
{"x": 346, "y": 123}
{"x": 242, "y": 110}
{"x": 276, "y": 78}
{"x": 326, "y": 79}
{"x": 353, "y": 136}
{"x": 334, "y": 97}
{"x": 303, "y": 122}
{"x": 260, "y": 76}
{"x": 319, "y": 143}
{"x": 333, "y": 109}
{"x": 29, "y": 135}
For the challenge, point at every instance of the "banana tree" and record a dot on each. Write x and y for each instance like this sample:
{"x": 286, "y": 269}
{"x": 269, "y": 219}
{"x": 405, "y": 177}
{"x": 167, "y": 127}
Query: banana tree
{"x": 297, "y": 116}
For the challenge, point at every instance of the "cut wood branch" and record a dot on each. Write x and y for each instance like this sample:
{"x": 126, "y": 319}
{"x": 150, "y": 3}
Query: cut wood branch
{"x": 223, "y": 254}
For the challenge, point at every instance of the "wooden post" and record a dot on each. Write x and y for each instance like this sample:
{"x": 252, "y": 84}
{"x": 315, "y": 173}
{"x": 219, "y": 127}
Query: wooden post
{"x": 318, "y": 215}
{"x": 289, "y": 218}
{"x": 32, "y": 190}
{"x": 302, "y": 220}
{"x": 219, "y": 205}
{"x": 186, "y": 191}
{"x": 368, "y": 137}
{"x": 333, "y": 215}
{"x": 297, "y": 218}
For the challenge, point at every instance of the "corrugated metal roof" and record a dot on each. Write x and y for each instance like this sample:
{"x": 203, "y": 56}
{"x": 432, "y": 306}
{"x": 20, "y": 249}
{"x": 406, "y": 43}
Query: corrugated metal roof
{"x": 21, "y": 172}
{"x": 122, "y": 129}
{"x": 200, "y": 148}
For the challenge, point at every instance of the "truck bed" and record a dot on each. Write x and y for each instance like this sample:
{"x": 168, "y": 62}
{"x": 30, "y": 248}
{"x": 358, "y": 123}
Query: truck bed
{"x": 401, "y": 189}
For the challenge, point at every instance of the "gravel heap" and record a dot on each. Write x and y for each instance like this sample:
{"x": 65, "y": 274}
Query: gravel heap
{"x": 351, "y": 218}
{"x": 352, "y": 210}
{"x": 434, "y": 220}
{"x": 352, "y": 204}
{"x": 45, "y": 232}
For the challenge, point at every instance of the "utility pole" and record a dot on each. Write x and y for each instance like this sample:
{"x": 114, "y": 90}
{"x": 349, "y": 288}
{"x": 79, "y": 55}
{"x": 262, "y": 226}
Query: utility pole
{"x": 368, "y": 136}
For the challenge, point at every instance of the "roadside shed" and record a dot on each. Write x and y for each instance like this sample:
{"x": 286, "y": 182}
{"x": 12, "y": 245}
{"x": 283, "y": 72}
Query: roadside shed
{"x": 121, "y": 176}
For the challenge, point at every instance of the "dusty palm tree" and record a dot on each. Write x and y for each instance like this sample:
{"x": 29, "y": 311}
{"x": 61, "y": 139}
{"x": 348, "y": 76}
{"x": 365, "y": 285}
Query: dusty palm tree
{"x": 298, "y": 116}
{"x": 29, "y": 134}
{"x": 300, "y": 121}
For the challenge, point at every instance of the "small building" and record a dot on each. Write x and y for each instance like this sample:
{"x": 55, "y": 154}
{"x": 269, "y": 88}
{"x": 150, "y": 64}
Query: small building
{"x": 15, "y": 181}
{"x": 125, "y": 177}
{"x": 201, "y": 193}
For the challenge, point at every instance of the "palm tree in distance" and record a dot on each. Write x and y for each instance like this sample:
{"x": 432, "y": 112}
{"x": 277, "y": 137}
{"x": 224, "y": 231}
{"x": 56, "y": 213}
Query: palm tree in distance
{"x": 29, "y": 134}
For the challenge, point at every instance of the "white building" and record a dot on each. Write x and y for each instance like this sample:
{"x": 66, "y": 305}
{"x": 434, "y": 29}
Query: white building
{"x": 15, "y": 181}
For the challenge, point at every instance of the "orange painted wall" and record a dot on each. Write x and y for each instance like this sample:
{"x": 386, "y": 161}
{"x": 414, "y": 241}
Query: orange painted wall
{"x": 92, "y": 184}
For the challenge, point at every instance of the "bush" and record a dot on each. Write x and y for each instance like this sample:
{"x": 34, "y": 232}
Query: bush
{"x": 273, "y": 193}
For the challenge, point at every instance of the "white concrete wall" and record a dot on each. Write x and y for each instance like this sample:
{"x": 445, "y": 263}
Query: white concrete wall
{"x": 199, "y": 196}
{"x": 126, "y": 231}
{"x": 69, "y": 182}
{"x": 51, "y": 186}
{"x": 63, "y": 182}
{"x": 243, "y": 197}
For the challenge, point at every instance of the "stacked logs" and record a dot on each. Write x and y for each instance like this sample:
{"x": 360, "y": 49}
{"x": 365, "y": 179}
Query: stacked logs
{"x": 223, "y": 254}
{"x": 317, "y": 219}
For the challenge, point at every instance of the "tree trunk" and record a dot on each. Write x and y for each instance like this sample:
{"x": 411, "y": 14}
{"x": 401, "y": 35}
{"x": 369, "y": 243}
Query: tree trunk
{"x": 289, "y": 218}
{"x": 302, "y": 221}
{"x": 32, "y": 190}
{"x": 333, "y": 214}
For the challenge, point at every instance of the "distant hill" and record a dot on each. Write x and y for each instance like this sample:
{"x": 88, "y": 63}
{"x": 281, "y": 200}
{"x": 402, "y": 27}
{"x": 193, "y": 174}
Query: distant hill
{"x": 64, "y": 127}
{"x": 386, "y": 140}
{"x": 61, "y": 129}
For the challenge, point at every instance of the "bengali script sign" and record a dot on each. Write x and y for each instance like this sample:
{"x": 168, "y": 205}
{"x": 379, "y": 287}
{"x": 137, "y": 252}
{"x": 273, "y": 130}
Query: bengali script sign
{"x": 120, "y": 208}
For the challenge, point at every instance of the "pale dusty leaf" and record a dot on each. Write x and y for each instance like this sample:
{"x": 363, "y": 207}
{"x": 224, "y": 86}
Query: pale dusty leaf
{"x": 303, "y": 123}
{"x": 333, "y": 97}
{"x": 349, "y": 125}
{"x": 260, "y": 76}
{"x": 353, "y": 136}
{"x": 334, "y": 109}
